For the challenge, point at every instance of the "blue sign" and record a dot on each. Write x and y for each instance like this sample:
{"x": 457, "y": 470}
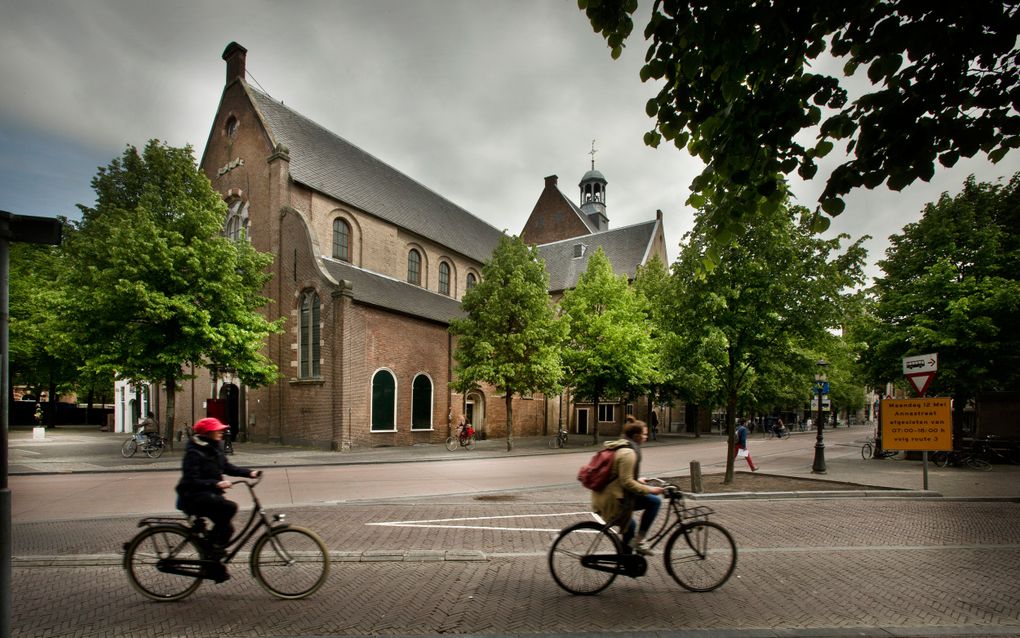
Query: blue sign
{"x": 821, "y": 387}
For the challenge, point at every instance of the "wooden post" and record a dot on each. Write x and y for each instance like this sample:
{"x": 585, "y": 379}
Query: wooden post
{"x": 696, "y": 486}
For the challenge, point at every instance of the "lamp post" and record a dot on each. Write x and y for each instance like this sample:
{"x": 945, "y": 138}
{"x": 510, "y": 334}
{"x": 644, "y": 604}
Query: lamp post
{"x": 818, "y": 467}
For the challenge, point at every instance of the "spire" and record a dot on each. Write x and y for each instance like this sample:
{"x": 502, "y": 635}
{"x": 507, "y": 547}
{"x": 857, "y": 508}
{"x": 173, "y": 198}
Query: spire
{"x": 593, "y": 194}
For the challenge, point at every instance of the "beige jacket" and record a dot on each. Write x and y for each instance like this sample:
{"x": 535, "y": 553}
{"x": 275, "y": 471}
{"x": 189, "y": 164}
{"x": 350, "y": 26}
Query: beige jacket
{"x": 612, "y": 503}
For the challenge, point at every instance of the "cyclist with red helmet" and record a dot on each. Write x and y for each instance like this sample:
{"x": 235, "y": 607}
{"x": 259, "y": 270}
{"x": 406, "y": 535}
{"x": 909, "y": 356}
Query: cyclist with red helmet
{"x": 200, "y": 490}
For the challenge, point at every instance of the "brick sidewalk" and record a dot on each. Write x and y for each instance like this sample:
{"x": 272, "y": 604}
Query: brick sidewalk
{"x": 807, "y": 567}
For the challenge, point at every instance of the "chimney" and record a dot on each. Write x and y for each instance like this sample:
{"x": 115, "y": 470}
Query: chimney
{"x": 234, "y": 55}
{"x": 550, "y": 182}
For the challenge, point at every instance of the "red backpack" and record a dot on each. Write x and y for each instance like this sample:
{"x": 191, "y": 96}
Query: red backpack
{"x": 597, "y": 474}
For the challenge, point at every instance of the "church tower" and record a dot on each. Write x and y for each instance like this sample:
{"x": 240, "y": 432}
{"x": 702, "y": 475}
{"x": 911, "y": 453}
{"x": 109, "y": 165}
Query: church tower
{"x": 593, "y": 195}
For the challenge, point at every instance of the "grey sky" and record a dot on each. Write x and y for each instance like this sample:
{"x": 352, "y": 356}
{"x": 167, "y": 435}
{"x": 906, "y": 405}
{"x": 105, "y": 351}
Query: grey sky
{"x": 478, "y": 100}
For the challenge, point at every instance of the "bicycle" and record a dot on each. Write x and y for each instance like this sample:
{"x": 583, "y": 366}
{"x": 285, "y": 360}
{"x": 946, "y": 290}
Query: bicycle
{"x": 870, "y": 450}
{"x": 463, "y": 439}
{"x": 153, "y": 445}
{"x": 558, "y": 440}
{"x": 169, "y": 559}
{"x": 783, "y": 433}
{"x": 700, "y": 554}
{"x": 973, "y": 456}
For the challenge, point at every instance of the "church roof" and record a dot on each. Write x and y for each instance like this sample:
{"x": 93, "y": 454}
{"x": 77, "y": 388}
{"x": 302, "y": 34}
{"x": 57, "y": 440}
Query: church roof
{"x": 627, "y": 248}
{"x": 326, "y": 162}
{"x": 385, "y": 292}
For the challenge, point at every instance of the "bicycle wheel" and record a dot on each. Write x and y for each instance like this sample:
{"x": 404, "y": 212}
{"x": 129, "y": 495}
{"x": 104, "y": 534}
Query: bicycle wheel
{"x": 144, "y": 553}
{"x": 941, "y": 459}
{"x": 154, "y": 449}
{"x": 978, "y": 463}
{"x": 867, "y": 451}
{"x": 700, "y": 556}
{"x": 290, "y": 562}
{"x": 452, "y": 443}
{"x": 555, "y": 442}
{"x": 129, "y": 448}
{"x": 469, "y": 442}
{"x": 573, "y": 544}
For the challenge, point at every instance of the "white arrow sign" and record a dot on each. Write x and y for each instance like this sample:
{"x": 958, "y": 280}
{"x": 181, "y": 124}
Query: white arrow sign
{"x": 921, "y": 363}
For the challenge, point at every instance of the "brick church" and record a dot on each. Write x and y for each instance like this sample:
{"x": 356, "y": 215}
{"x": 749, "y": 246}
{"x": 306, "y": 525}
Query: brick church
{"x": 369, "y": 268}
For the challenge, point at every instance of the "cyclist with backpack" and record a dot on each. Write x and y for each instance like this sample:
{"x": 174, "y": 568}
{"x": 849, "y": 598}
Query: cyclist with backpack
{"x": 626, "y": 491}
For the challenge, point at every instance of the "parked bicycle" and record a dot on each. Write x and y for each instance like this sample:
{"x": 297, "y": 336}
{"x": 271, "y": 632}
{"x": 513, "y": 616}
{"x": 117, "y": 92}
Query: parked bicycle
{"x": 699, "y": 554}
{"x": 779, "y": 432}
{"x": 961, "y": 458}
{"x": 153, "y": 445}
{"x": 870, "y": 450}
{"x": 465, "y": 438}
{"x": 559, "y": 439}
{"x": 169, "y": 559}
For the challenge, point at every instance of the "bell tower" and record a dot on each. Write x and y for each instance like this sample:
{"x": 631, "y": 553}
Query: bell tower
{"x": 593, "y": 195}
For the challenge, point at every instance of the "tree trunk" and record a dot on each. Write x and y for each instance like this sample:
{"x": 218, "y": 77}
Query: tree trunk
{"x": 52, "y": 416}
{"x": 595, "y": 417}
{"x": 168, "y": 423}
{"x": 731, "y": 411}
{"x": 509, "y": 421}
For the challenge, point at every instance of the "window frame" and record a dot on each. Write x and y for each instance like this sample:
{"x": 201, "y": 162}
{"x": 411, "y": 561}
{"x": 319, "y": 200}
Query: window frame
{"x": 610, "y": 409}
{"x": 430, "y": 402}
{"x": 444, "y": 278}
{"x": 372, "y": 403}
{"x": 310, "y": 335}
{"x": 338, "y": 223}
{"x": 415, "y": 271}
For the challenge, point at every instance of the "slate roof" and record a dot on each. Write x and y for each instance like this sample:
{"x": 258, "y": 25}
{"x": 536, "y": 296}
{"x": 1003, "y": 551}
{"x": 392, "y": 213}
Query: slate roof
{"x": 626, "y": 248}
{"x": 384, "y": 292}
{"x": 326, "y": 162}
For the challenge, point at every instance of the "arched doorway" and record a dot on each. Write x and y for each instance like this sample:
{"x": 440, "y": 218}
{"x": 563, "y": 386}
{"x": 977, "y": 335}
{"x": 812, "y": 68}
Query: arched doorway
{"x": 474, "y": 412}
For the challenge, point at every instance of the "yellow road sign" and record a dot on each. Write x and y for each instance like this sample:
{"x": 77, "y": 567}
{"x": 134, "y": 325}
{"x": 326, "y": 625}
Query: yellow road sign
{"x": 917, "y": 424}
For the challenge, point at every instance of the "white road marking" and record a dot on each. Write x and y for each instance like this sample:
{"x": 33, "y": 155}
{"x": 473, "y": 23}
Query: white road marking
{"x": 457, "y": 523}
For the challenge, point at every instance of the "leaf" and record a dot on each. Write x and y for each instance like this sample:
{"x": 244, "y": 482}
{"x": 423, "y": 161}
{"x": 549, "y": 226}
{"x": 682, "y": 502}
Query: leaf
{"x": 833, "y": 205}
{"x": 696, "y": 200}
{"x": 819, "y": 224}
{"x": 823, "y": 148}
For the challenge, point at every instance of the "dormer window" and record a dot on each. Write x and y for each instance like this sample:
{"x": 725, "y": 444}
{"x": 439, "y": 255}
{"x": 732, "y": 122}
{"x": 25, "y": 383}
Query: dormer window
{"x": 578, "y": 251}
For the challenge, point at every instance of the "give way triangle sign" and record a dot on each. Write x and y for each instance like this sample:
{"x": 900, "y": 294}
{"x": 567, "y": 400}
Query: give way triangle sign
{"x": 921, "y": 381}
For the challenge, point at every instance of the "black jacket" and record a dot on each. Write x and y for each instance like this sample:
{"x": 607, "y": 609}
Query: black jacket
{"x": 203, "y": 467}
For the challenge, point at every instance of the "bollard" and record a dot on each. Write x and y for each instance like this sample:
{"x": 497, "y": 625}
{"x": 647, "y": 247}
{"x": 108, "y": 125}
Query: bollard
{"x": 696, "y": 486}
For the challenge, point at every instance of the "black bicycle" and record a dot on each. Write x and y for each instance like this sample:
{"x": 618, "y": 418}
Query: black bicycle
{"x": 170, "y": 558}
{"x": 152, "y": 444}
{"x": 700, "y": 554}
{"x": 559, "y": 439}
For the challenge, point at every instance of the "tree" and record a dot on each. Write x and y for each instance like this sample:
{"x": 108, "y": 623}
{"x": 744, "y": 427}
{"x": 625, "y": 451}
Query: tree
{"x": 951, "y": 286}
{"x": 153, "y": 285}
{"x": 775, "y": 292}
{"x": 739, "y": 86}
{"x": 510, "y": 337}
{"x": 609, "y": 347}
{"x": 39, "y": 354}
{"x": 651, "y": 287}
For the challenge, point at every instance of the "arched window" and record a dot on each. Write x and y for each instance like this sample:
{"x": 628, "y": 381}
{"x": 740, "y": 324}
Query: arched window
{"x": 341, "y": 240}
{"x": 421, "y": 403}
{"x": 472, "y": 281}
{"x": 384, "y": 401}
{"x": 237, "y": 221}
{"x": 308, "y": 336}
{"x": 414, "y": 267}
{"x": 444, "y": 278}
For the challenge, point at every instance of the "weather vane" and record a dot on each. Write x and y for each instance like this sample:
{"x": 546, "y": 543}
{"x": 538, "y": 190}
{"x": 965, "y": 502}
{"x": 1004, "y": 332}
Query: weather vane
{"x": 592, "y": 153}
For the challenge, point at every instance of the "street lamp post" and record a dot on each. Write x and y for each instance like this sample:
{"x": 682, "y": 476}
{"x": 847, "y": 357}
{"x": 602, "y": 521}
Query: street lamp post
{"x": 818, "y": 467}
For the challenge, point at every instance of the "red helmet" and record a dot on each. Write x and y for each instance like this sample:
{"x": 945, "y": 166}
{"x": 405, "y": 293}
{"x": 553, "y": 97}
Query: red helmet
{"x": 207, "y": 425}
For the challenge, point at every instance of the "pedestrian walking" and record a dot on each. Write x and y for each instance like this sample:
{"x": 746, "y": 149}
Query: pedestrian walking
{"x": 742, "y": 451}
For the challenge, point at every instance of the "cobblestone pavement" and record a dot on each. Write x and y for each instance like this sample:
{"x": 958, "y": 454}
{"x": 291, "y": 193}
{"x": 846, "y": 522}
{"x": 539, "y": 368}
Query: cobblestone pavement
{"x": 476, "y": 565}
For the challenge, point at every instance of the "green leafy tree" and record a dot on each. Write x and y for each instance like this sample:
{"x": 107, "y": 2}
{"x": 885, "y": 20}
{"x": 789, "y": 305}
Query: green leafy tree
{"x": 39, "y": 354}
{"x": 651, "y": 286}
{"x": 511, "y": 336}
{"x": 775, "y": 291}
{"x": 741, "y": 81}
{"x": 153, "y": 286}
{"x": 609, "y": 348}
{"x": 952, "y": 286}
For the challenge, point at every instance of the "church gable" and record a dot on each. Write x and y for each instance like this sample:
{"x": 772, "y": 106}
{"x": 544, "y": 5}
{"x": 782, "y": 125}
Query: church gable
{"x": 554, "y": 217}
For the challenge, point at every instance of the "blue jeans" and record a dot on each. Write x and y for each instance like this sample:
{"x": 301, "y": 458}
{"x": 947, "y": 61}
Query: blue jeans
{"x": 649, "y": 504}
